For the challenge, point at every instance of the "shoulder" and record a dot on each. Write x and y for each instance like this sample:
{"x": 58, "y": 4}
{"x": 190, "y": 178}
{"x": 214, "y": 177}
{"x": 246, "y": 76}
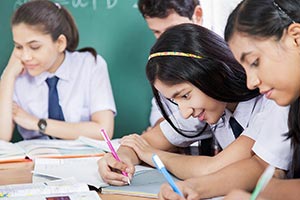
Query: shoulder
{"x": 85, "y": 57}
{"x": 85, "y": 61}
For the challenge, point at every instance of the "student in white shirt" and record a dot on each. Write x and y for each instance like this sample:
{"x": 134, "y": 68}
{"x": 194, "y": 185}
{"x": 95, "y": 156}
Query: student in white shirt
{"x": 160, "y": 15}
{"x": 46, "y": 38}
{"x": 265, "y": 38}
{"x": 194, "y": 68}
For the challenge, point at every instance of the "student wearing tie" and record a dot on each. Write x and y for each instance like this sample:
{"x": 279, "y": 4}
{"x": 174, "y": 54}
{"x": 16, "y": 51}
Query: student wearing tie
{"x": 200, "y": 75}
{"x": 48, "y": 88}
{"x": 160, "y": 15}
{"x": 267, "y": 44}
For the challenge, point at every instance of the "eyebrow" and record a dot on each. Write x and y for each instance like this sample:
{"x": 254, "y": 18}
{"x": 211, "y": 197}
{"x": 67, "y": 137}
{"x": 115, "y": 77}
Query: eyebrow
{"x": 30, "y": 42}
{"x": 176, "y": 94}
{"x": 243, "y": 56}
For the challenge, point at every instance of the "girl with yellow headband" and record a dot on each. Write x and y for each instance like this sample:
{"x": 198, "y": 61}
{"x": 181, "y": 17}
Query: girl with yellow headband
{"x": 194, "y": 68}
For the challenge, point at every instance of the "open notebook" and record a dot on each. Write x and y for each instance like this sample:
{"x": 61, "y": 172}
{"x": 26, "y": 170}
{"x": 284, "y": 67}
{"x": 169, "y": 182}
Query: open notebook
{"x": 145, "y": 183}
{"x": 82, "y": 147}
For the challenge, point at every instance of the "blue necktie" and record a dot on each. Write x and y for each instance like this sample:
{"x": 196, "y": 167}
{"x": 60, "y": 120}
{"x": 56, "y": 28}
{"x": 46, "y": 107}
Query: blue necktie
{"x": 54, "y": 109}
{"x": 237, "y": 129}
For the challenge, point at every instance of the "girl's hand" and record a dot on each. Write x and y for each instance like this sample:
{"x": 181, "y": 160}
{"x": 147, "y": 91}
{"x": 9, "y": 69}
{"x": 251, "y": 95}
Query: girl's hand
{"x": 141, "y": 147}
{"x": 14, "y": 67}
{"x": 110, "y": 170}
{"x": 238, "y": 195}
{"x": 24, "y": 119}
{"x": 166, "y": 192}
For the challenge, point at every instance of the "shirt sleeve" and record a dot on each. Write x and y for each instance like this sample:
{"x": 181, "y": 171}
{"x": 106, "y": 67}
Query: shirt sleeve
{"x": 268, "y": 129}
{"x": 100, "y": 88}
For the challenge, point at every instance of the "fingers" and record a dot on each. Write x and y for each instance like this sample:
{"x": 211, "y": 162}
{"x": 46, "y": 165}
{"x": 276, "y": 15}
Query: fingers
{"x": 111, "y": 170}
{"x": 167, "y": 193}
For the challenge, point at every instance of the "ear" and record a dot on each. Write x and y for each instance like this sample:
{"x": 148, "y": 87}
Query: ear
{"x": 198, "y": 15}
{"x": 294, "y": 31}
{"x": 61, "y": 43}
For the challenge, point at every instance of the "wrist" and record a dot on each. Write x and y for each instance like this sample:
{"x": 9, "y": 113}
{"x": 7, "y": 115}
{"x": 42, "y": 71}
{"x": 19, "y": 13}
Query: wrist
{"x": 42, "y": 125}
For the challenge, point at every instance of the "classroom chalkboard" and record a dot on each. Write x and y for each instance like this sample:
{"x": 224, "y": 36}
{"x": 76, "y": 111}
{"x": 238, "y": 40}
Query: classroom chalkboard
{"x": 118, "y": 32}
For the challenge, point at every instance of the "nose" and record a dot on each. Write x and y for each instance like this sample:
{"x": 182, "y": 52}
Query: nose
{"x": 26, "y": 55}
{"x": 253, "y": 80}
{"x": 185, "y": 110}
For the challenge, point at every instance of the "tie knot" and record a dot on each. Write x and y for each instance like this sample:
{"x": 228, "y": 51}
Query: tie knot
{"x": 52, "y": 82}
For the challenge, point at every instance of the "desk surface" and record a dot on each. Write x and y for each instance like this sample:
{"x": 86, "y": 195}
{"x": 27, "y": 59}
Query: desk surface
{"x": 13, "y": 173}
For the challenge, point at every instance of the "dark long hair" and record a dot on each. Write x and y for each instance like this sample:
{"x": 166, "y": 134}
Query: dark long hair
{"x": 51, "y": 19}
{"x": 162, "y": 8}
{"x": 217, "y": 73}
{"x": 266, "y": 19}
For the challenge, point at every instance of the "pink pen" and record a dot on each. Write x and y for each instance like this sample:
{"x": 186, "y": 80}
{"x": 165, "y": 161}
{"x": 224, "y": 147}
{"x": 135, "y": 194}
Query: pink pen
{"x": 113, "y": 152}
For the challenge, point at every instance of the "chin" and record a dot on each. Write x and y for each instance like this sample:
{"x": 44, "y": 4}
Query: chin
{"x": 33, "y": 73}
{"x": 284, "y": 101}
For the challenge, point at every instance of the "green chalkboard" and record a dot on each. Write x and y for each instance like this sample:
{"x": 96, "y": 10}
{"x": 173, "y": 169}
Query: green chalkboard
{"x": 118, "y": 32}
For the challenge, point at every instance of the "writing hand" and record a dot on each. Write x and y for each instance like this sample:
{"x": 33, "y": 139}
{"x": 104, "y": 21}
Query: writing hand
{"x": 111, "y": 170}
{"x": 166, "y": 192}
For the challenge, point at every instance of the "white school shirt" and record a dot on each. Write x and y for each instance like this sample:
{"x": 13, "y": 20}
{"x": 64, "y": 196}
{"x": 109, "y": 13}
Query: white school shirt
{"x": 83, "y": 89}
{"x": 263, "y": 120}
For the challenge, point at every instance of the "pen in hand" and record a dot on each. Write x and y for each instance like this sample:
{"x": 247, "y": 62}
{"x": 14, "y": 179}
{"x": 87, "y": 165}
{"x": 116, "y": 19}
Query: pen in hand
{"x": 112, "y": 150}
{"x": 160, "y": 166}
{"x": 263, "y": 181}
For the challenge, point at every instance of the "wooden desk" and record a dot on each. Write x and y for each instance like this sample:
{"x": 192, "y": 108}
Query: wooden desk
{"x": 13, "y": 173}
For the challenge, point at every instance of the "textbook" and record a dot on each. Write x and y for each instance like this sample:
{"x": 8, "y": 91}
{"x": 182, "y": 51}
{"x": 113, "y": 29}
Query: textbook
{"x": 82, "y": 147}
{"x": 68, "y": 189}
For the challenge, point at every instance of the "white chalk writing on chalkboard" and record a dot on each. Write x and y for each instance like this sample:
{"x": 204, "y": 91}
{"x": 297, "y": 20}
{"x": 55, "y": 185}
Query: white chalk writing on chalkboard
{"x": 78, "y": 3}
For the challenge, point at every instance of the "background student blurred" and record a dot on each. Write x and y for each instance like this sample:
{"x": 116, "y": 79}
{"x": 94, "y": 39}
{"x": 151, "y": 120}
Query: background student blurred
{"x": 48, "y": 89}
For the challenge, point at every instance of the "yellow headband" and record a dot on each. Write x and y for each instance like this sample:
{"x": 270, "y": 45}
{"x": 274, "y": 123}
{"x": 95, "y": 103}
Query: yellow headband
{"x": 173, "y": 53}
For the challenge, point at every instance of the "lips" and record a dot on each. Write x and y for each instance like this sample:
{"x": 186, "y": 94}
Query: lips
{"x": 201, "y": 115}
{"x": 267, "y": 93}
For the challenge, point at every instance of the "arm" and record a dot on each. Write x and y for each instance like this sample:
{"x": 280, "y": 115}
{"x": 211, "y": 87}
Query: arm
{"x": 240, "y": 175}
{"x": 278, "y": 189}
{"x": 107, "y": 166}
{"x": 194, "y": 165}
{"x": 67, "y": 130}
{"x": 12, "y": 70}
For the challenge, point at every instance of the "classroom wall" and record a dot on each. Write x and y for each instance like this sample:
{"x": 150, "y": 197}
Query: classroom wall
{"x": 118, "y": 32}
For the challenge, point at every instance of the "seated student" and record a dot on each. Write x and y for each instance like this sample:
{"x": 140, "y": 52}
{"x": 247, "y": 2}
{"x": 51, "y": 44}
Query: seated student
{"x": 159, "y": 15}
{"x": 207, "y": 83}
{"x": 45, "y": 38}
{"x": 175, "y": 77}
{"x": 267, "y": 44}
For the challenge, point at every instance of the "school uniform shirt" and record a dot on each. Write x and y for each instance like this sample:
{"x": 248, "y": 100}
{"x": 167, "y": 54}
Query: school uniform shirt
{"x": 83, "y": 89}
{"x": 263, "y": 121}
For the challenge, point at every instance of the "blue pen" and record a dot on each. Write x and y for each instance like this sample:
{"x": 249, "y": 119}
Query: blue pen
{"x": 160, "y": 166}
